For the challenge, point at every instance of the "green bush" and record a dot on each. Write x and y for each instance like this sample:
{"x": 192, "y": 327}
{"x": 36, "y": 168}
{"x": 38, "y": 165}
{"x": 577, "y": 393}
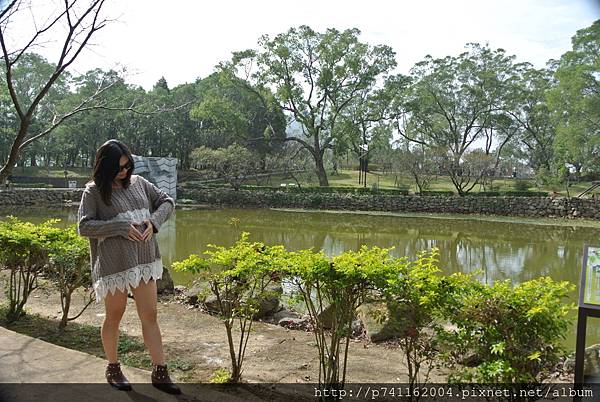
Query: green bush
{"x": 485, "y": 194}
{"x": 507, "y": 334}
{"x": 521, "y": 185}
{"x": 525, "y": 193}
{"x": 29, "y": 251}
{"x": 341, "y": 285}
{"x": 437, "y": 192}
{"x": 509, "y": 194}
{"x": 68, "y": 269}
{"x": 502, "y": 333}
{"x": 414, "y": 299}
{"x": 239, "y": 277}
{"x": 330, "y": 190}
{"x": 24, "y": 253}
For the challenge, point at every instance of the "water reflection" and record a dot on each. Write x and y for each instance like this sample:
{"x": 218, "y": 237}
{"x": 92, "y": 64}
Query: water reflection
{"x": 500, "y": 250}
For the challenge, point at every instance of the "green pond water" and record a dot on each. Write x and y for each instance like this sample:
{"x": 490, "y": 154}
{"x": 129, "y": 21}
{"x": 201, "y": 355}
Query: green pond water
{"x": 501, "y": 248}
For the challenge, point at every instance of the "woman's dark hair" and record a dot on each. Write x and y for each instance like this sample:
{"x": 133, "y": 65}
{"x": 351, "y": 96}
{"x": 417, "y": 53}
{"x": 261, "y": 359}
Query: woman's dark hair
{"x": 106, "y": 167}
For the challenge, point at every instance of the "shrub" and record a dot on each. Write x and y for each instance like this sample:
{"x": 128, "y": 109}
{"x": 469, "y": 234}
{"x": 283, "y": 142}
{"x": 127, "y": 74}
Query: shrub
{"x": 485, "y": 194}
{"x": 437, "y": 192}
{"x": 525, "y": 193}
{"x": 509, "y": 194}
{"x": 509, "y": 334}
{"x": 220, "y": 376}
{"x": 28, "y": 251}
{"x": 414, "y": 298}
{"x": 341, "y": 285}
{"x": 24, "y": 252}
{"x": 69, "y": 270}
{"x": 521, "y": 185}
{"x": 330, "y": 190}
{"x": 239, "y": 277}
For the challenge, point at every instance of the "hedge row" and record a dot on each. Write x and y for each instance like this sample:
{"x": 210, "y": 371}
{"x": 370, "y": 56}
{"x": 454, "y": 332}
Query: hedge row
{"x": 363, "y": 190}
{"x": 340, "y": 190}
{"x": 509, "y": 194}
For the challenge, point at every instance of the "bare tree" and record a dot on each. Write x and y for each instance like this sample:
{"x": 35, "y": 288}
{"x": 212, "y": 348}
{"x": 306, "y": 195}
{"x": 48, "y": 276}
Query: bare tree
{"x": 290, "y": 162}
{"x": 80, "y": 20}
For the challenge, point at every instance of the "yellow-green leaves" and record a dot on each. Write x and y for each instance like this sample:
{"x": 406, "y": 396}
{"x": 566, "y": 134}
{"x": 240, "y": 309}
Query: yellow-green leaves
{"x": 522, "y": 324}
{"x": 194, "y": 264}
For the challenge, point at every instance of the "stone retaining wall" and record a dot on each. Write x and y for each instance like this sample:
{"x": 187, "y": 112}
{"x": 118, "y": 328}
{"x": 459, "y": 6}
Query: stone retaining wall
{"x": 503, "y": 205}
{"x": 508, "y": 206}
{"x": 39, "y": 196}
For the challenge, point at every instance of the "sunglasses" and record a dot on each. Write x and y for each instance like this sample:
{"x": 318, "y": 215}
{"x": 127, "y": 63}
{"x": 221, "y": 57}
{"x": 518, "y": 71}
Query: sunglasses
{"x": 127, "y": 167}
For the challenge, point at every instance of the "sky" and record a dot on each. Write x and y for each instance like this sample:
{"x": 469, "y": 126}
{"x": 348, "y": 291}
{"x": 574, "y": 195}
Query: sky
{"x": 183, "y": 40}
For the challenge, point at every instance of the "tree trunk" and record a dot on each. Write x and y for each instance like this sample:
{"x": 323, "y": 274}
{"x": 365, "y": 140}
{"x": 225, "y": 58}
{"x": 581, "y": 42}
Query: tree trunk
{"x": 14, "y": 152}
{"x": 65, "y": 314}
{"x": 321, "y": 174}
{"x": 263, "y": 163}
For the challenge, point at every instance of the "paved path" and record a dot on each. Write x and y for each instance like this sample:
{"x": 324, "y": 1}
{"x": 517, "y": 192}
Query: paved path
{"x": 35, "y": 370}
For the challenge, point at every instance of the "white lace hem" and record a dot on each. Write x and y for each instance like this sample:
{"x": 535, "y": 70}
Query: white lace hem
{"x": 128, "y": 279}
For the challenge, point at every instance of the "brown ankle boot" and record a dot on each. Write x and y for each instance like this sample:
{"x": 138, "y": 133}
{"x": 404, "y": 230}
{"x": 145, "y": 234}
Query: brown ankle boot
{"x": 161, "y": 380}
{"x": 116, "y": 378}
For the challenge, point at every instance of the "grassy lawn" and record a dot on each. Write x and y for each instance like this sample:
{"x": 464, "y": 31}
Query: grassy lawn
{"x": 349, "y": 178}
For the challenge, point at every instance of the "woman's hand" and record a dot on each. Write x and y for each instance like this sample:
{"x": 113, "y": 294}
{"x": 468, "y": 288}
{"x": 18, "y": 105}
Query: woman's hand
{"x": 147, "y": 235}
{"x": 134, "y": 234}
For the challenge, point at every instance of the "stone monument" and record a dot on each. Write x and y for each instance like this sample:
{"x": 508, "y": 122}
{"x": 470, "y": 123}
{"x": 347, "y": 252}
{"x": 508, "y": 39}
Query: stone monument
{"x": 162, "y": 172}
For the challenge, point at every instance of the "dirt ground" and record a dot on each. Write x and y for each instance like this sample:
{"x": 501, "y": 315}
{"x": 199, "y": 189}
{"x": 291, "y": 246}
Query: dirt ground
{"x": 274, "y": 354}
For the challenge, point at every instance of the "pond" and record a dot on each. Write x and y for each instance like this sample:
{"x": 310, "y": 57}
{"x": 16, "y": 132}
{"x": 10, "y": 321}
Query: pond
{"x": 501, "y": 248}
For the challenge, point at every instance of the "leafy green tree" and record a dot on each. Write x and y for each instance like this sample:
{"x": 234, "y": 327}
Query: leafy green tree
{"x": 7, "y": 123}
{"x": 234, "y": 164}
{"x": 83, "y": 133}
{"x": 232, "y": 110}
{"x": 537, "y": 129}
{"x": 148, "y": 121}
{"x": 315, "y": 77}
{"x": 575, "y": 102}
{"x": 365, "y": 123}
{"x": 29, "y": 75}
{"x": 186, "y": 131}
{"x": 453, "y": 102}
{"x": 421, "y": 162}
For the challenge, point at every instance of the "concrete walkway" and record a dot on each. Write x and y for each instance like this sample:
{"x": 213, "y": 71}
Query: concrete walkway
{"x": 34, "y": 370}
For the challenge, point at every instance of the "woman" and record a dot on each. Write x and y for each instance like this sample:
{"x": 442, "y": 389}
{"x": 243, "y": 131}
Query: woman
{"x": 120, "y": 213}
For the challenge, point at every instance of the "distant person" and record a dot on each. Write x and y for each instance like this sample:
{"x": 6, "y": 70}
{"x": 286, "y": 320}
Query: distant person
{"x": 120, "y": 213}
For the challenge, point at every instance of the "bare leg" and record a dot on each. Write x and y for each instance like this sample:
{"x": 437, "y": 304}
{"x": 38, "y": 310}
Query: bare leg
{"x": 115, "y": 307}
{"x": 145, "y": 302}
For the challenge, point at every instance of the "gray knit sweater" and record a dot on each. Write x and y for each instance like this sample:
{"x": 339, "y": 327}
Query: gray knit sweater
{"x": 116, "y": 261}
